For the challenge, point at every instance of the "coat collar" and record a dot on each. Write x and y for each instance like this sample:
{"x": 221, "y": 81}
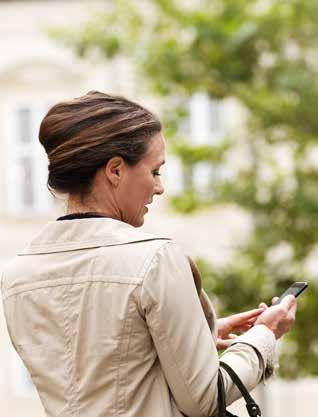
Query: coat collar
{"x": 68, "y": 235}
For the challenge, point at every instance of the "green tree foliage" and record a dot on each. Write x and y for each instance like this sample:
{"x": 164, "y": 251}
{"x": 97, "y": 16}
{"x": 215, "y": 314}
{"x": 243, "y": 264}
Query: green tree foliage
{"x": 264, "y": 54}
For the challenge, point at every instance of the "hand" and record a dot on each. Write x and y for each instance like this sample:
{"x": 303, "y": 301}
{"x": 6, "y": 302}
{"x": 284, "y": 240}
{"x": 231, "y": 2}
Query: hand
{"x": 279, "y": 318}
{"x": 265, "y": 306}
{"x": 236, "y": 323}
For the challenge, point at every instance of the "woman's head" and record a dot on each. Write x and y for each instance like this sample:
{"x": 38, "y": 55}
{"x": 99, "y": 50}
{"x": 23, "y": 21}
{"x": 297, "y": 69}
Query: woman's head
{"x": 101, "y": 149}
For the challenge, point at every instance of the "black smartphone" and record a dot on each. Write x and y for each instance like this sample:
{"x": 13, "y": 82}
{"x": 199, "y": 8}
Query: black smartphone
{"x": 295, "y": 289}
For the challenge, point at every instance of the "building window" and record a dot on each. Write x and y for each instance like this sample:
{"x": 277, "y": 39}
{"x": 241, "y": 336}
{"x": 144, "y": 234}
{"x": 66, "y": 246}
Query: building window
{"x": 206, "y": 125}
{"x": 24, "y": 124}
{"x": 27, "y": 163}
{"x": 207, "y": 119}
{"x": 173, "y": 179}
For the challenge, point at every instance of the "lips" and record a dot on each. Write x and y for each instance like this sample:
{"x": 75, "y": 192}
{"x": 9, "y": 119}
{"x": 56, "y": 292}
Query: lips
{"x": 149, "y": 202}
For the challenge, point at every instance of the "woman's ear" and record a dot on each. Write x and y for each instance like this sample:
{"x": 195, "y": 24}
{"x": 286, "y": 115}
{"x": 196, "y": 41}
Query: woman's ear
{"x": 114, "y": 170}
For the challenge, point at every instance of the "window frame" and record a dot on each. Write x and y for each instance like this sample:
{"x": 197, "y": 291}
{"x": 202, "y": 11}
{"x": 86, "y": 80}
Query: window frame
{"x": 15, "y": 151}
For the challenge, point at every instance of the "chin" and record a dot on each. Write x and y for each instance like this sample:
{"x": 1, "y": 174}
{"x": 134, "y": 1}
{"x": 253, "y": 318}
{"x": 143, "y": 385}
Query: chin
{"x": 138, "y": 222}
{"x": 135, "y": 221}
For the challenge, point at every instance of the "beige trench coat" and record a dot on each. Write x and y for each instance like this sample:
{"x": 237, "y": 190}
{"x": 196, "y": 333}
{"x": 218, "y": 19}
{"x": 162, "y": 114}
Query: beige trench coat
{"x": 107, "y": 320}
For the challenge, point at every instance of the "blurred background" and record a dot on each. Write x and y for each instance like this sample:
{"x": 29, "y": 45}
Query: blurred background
{"x": 235, "y": 83}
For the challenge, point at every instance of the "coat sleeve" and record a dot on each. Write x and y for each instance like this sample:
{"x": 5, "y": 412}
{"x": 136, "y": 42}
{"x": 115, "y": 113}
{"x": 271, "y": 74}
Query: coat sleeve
{"x": 183, "y": 340}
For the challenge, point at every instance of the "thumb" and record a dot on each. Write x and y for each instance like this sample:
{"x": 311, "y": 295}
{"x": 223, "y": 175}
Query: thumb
{"x": 288, "y": 302}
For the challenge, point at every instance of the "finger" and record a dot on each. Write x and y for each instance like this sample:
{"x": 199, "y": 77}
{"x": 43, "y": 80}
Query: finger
{"x": 242, "y": 321}
{"x": 288, "y": 302}
{"x": 274, "y": 299}
{"x": 263, "y": 306}
{"x": 254, "y": 313}
{"x": 246, "y": 315}
{"x": 293, "y": 309}
{"x": 291, "y": 315}
{"x": 252, "y": 321}
{"x": 224, "y": 343}
{"x": 246, "y": 327}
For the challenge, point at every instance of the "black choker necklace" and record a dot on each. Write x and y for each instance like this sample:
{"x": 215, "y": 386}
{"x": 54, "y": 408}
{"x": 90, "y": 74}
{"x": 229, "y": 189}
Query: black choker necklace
{"x": 88, "y": 215}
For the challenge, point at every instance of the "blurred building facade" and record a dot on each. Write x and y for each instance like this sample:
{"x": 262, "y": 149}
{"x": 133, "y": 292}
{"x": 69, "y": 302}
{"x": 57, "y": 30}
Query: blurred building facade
{"x": 35, "y": 73}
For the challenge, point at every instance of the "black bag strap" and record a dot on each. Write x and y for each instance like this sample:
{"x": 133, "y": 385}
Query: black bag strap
{"x": 252, "y": 407}
{"x": 221, "y": 397}
{"x": 222, "y": 411}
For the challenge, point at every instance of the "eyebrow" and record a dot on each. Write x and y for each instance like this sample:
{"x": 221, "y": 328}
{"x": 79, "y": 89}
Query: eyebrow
{"x": 159, "y": 163}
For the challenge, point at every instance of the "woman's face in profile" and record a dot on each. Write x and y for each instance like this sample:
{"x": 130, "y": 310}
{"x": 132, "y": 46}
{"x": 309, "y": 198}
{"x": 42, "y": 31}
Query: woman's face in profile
{"x": 142, "y": 182}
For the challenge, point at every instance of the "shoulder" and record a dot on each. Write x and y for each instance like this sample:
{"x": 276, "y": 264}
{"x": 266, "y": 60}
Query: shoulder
{"x": 131, "y": 259}
{"x": 164, "y": 254}
{"x": 168, "y": 263}
{"x": 169, "y": 254}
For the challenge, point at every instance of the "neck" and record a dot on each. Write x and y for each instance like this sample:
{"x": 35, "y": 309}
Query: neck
{"x": 77, "y": 205}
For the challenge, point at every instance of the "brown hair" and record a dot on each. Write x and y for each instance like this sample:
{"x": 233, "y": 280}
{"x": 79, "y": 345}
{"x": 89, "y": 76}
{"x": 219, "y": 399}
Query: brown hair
{"x": 202, "y": 296}
{"x": 196, "y": 275}
{"x": 83, "y": 134}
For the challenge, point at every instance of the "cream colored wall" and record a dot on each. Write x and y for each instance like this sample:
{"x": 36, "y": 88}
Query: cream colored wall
{"x": 32, "y": 69}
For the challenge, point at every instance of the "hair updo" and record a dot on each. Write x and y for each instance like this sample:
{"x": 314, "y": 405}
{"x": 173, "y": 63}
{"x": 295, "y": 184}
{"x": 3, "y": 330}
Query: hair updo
{"x": 82, "y": 135}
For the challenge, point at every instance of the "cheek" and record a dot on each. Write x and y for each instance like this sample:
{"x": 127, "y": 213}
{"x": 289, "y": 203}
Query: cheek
{"x": 143, "y": 191}
{"x": 137, "y": 187}
{"x": 149, "y": 186}
{"x": 137, "y": 193}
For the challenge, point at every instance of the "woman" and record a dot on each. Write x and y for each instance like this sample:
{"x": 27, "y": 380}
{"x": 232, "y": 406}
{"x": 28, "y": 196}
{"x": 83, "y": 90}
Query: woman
{"x": 105, "y": 317}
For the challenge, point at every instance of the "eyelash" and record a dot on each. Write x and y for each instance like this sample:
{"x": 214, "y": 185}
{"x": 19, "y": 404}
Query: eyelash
{"x": 157, "y": 173}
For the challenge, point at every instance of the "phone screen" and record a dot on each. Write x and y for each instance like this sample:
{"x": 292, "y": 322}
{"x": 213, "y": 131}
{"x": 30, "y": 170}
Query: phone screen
{"x": 296, "y": 289}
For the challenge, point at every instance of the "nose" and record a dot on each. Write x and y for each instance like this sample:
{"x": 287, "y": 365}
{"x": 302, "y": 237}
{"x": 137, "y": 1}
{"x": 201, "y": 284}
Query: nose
{"x": 159, "y": 189}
